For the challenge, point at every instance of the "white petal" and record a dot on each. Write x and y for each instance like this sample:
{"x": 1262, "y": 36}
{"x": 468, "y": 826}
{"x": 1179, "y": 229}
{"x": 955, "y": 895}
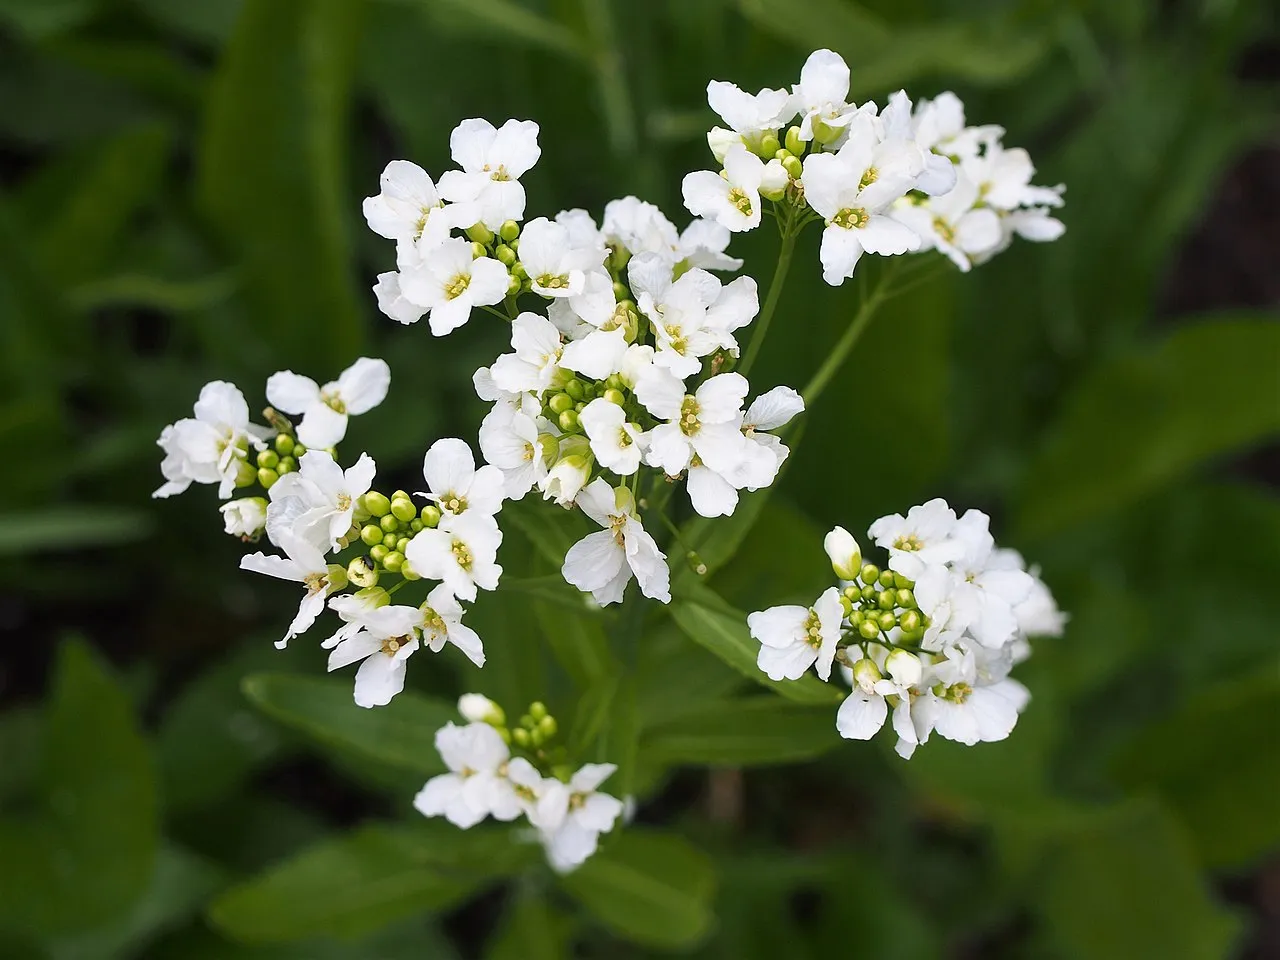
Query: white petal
{"x": 861, "y": 715}
{"x": 364, "y": 384}
{"x": 322, "y": 427}
{"x": 291, "y": 392}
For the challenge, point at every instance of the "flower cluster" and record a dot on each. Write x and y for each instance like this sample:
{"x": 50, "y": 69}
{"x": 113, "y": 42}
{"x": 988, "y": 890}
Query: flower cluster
{"x": 565, "y": 806}
{"x": 932, "y": 636}
{"x": 623, "y": 343}
{"x": 885, "y": 182}
{"x": 313, "y": 508}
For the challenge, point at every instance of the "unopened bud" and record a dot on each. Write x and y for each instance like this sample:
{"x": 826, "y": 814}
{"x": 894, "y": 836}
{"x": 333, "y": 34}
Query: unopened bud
{"x": 379, "y": 552}
{"x": 846, "y": 605}
{"x": 480, "y": 234}
{"x": 269, "y": 459}
{"x": 389, "y": 524}
{"x": 335, "y": 578}
{"x": 568, "y": 421}
{"x": 906, "y": 598}
{"x": 775, "y": 180}
{"x": 478, "y": 251}
{"x": 299, "y": 451}
{"x": 403, "y": 510}
{"x": 769, "y": 145}
{"x": 911, "y": 622}
{"x": 362, "y": 572}
{"x": 505, "y": 255}
{"x": 393, "y": 560}
{"x": 267, "y": 478}
{"x": 842, "y": 549}
{"x": 371, "y": 534}
{"x": 793, "y": 143}
{"x": 886, "y": 620}
{"x": 287, "y": 465}
{"x": 547, "y": 727}
{"x": 793, "y": 166}
{"x": 696, "y": 564}
{"x": 284, "y": 444}
{"x": 509, "y": 231}
{"x": 478, "y": 708}
{"x": 521, "y": 737}
{"x": 615, "y": 396}
{"x": 887, "y": 599}
{"x": 389, "y": 540}
{"x": 869, "y": 630}
{"x": 560, "y": 402}
{"x": 904, "y": 667}
{"x": 870, "y": 573}
{"x": 866, "y": 674}
{"x": 376, "y": 503}
{"x": 430, "y": 515}
{"x": 407, "y": 571}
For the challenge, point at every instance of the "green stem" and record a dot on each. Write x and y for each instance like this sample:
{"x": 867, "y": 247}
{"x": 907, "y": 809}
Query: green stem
{"x": 771, "y": 299}
{"x": 835, "y": 360}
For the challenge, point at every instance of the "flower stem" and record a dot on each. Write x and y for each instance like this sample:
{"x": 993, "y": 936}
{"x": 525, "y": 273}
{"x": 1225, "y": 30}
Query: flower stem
{"x": 836, "y": 358}
{"x": 789, "y": 234}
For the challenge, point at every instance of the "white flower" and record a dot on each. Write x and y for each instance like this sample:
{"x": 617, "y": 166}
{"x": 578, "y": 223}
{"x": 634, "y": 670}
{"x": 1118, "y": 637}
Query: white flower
{"x": 572, "y": 816}
{"x": 1003, "y": 178}
{"x": 477, "y": 786}
{"x": 844, "y": 553}
{"x": 684, "y": 326}
{"x": 617, "y": 444}
{"x": 448, "y": 283}
{"x": 820, "y": 97}
{"x": 246, "y": 517}
{"x": 409, "y": 211}
{"x": 360, "y": 388}
{"x": 212, "y": 448}
{"x": 794, "y": 638}
{"x": 492, "y": 163}
{"x": 749, "y": 116}
{"x": 354, "y": 608}
{"x": 318, "y": 501}
{"x": 456, "y": 486}
{"x": 510, "y": 441}
{"x": 923, "y": 538}
{"x": 538, "y": 346}
{"x": 302, "y": 563}
{"x": 583, "y": 231}
{"x": 702, "y": 244}
{"x": 441, "y": 623}
{"x": 733, "y": 200}
{"x": 387, "y": 637}
{"x": 392, "y": 301}
{"x": 569, "y": 473}
{"x": 478, "y": 708}
{"x": 972, "y": 714}
{"x": 603, "y": 563}
{"x": 640, "y": 227}
{"x": 850, "y": 189}
{"x": 555, "y": 267}
{"x": 865, "y": 710}
{"x": 599, "y": 354}
{"x": 769, "y": 411}
{"x": 953, "y": 223}
{"x": 705, "y": 424}
{"x": 464, "y": 555}
{"x": 1038, "y": 615}
{"x": 938, "y": 175}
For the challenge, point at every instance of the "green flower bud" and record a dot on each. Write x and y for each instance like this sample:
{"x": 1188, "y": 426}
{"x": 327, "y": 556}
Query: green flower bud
{"x": 846, "y": 605}
{"x": 885, "y": 579}
{"x": 521, "y": 737}
{"x": 843, "y": 552}
{"x": 782, "y": 154}
{"x": 619, "y": 257}
{"x": 537, "y": 710}
{"x": 478, "y": 251}
{"x": 615, "y": 396}
{"x": 505, "y": 734}
{"x": 430, "y": 515}
{"x": 389, "y": 524}
{"x": 769, "y": 145}
{"x": 335, "y": 578}
{"x": 911, "y": 622}
{"x": 480, "y": 234}
{"x": 403, "y": 510}
{"x": 284, "y": 444}
{"x": 267, "y": 477}
{"x": 569, "y": 421}
{"x": 869, "y": 630}
{"x": 547, "y": 727}
{"x": 887, "y": 599}
{"x": 505, "y": 255}
{"x": 389, "y": 540}
{"x": 887, "y": 620}
{"x": 393, "y": 561}
{"x": 866, "y": 674}
{"x": 407, "y": 571}
{"x": 620, "y": 291}
{"x": 376, "y": 503}
{"x": 246, "y": 473}
{"x": 870, "y": 573}
{"x": 870, "y": 594}
{"x": 793, "y": 142}
{"x": 371, "y": 534}
{"x": 519, "y": 272}
{"x": 794, "y": 167}
{"x": 379, "y": 552}
{"x": 560, "y": 402}
{"x": 416, "y": 525}
{"x": 513, "y": 286}
{"x": 856, "y": 618}
{"x": 902, "y": 583}
{"x": 906, "y": 598}
{"x": 362, "y": 572}
{"x": 299, "y": 451}
{"x": 509, "y": 231}
{"x": 401, "y": 544}
{"x": 576, "y": 389}
{"x": 269, "y": 459}
{"x": 853, "y": 592}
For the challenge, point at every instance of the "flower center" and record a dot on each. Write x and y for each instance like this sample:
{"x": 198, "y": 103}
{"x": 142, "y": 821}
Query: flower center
{"x": 577, "y": 801}
{"x": 909, "y": 542}
{"x": 675, "y": 335}
{"x": 813, "y": 630}
{"x": 738, "y": 198}
{"x": 529, "y": 452}
{"x": 943, "y": 230}
{"x": 433, "y": 622}
{"x": 689, "y": 416}
{"x": 500, "y": 174}
{"x": 462, "y": 554}
{"x": 457, "y": 286}
{"x": 553, "y": 281}
{"x": 333, "y": 400}
{"x": 624, "y": 438}
{"x": 316, "y": 582}
{"x": 957, "y": 692}
{"x": 392, "y": 645}
{"x": 616, "y": 526}
{"x": 344, "y": 502}
{"x": 453, "y": 503}
{"x": 851, "y": 218}
{"x": 868, "y": 178}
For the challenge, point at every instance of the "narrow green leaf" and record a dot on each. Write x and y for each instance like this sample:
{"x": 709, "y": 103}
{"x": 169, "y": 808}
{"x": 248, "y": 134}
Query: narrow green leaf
{"x": 649, "y": 887}
{"x": 401, "y": 734}
{"x": 578, "y": 641}
{"x": 271, "y": 173}
{"x": 70, "y": 528}
{"x": 1138, "y": 421}
{"x": 723, "y": 631}
{"x": 752, "y": 731}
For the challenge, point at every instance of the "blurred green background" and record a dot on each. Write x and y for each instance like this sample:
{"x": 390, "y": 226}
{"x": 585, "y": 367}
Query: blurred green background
{"x": 180, "y": 185}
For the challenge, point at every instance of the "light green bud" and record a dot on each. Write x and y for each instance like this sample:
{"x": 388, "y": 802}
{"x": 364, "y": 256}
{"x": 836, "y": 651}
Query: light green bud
{"x": 389, "y": 540}
{"x": 547, "y": 727}
{"x": 846, "y": 605}
{"x": 885, "y": 579}
{"x": 371, "y": 534}
{"x": 615, "y": 396}
{"x": 794, "y": 167}
{"x": 362, "y": 572}
{"x": 477, "y": 708}
{"x": 521, "y": 737}
{"x": 407, "y": 571}
{"x": 379, "y": 552}
{"x": 403, "y": 510}
{"x": 537, "y": 710}
{"x": 284, "y": 444}
{"x": 513, "y": 286}
{"x": 902, "y": 583}
{"x": 887, "y": 620}
{"x": 793, "y": 143}
{"x": 843, "y": 552}
{"x": 866, "y": 674}
{"x": 389, "y": 524}
{"x": 402, "y": 544}
{"x": 478, "y": 251}
{"x": 569, "y": 421}
{"x": 620, "y": 291}
{"x": 299, "y": 451}
{"x": 269, "y": 459}
{"x": 887, "y": 599}
{"x": 576, "y": 389}
{"x": 869, "y": 629}
{"x": 906, "y": 598}
{"x": 870, "y": 594}
{"x": 619, "y": 258}
{"x": 376, "y": 503}
{"x": 560, "y": 402}
{"x": 509, "y": 231}
{"x": 416, "y": 525}
{"x": 519, "y": 272}
{"x": 430, "y": 515}
{"x": 335, "y": 578}
{"x": 904, "y": 667}
{"x": 505, "y": 255}
{"x": 911, "y": 622}
{"x": 769, "y": 145}
{"x": 267, "y": 477}
{"x": 480, "y": 234}
{"x": 853, "y": 591}
{"x": 870, "y": 573}
{"x": 393, "y": 561}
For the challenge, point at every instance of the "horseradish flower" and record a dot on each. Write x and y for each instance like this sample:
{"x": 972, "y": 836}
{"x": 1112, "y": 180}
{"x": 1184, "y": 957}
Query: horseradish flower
{"x": 462, "y": 553}
{"x": 843, "y": 551}
{"x": 603, "y": 563}
{"x": 212, "y": 448}
{"x": 953, "y": 223}
{"x": 478, "y": 708}
{"x": 864, "y": 711}
{"x": 923, "y": 538}
{"x": 685, "y": 329}
{"x": 245, "y": 518}
{"x": 971, "y": 714}
{"x": 510, "y": 440}
{"x": 318, "y": 502}
{"x": 538, "y": 345}
{"x": 639, "y": 227}
{"x": 569, "y": 473}
{"x": 555, "y": 267}
{"x": 617, "y": 444}
{"x": 769, "y": 411}
{"x": 387, "y": 638}
{"x": 448, "y": 282}
{"x": 409, "y": 211}
{"x": 749, "y": 116}
{"x": 733, "y": 200}
{"x": 821, "y": 97}
{"x": 793, "y": 638}
{"x": 705, "y": 424}
{"x": 898, "y": 122}
{"x": 476, "y": 786}
{"x": 360, "y": 388}
{"x": 572, "y": 816}
{"x": 354, "y": 609}
{"x": 392, "y": 301}
{"x": 850, "y": 189}
{"x": 302, "y": 563}
{"x": 492, "y": 161}
{"x": 456, "y": 486}
{"x": 441, "y": 623}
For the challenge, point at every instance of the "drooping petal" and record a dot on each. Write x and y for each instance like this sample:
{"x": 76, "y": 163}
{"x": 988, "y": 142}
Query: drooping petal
{"x": 291, "y": 392}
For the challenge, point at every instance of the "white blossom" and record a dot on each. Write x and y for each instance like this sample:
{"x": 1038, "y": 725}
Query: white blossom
{"x": 318, "y": 501}
{"x": 733, "y": 200}
{"x": 572, "y": 816}
{"x": 794, "y": 638}
{"x": 705, "y": 424}
{"x": 408, "y": 210}
{"x": 616, "y": 444}
{"x": 537, "y": 346}
{"x": 603, "y": 563}
{"x": 449, "y": 282}
{"x": 821, "y": 97}
{"x": 324, "y": 410}
{"x": 749, "y": 116}
{"x": 556, "y": 268}
{"x": 387, "y": 637}
{"x": 392, "y": 301}
{"x": 923, "y": 538}
{"x": 442, "y": 623}
{"x": 246, "y": 517}
{"x": 769, "y": 411}
{"x": 212, "y": 447}
{"x": 954, "y": 223}
{"x": 843, "y": 552}
{"x": 510, "y": 440}
{"x": 462, "y": 553}
{"x": 492, "y": 161}
{"x": 476, "y": 786}
{"x": 302, "y": 563}
{"x": 456, "y": 486}
{"x": 478, "y": 708}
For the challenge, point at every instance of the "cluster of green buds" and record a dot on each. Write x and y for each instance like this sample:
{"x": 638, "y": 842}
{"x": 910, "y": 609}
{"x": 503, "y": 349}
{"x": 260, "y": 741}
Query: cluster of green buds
{"x": 534, "y": 735}
{"x": 279, "y": 459}
{"x": 503, "y": 246}
{"x": 875, "y": 602}
{"x": 384, "y": 526}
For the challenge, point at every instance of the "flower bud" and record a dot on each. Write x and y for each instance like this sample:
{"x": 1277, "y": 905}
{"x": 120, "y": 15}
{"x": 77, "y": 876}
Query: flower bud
{"x": 376, "y": 503}
{"x": 870, "y": 594}
{"x": 793, "y": 143}
{"x": 407, "y": 571}
{"x": 284, "y": 444}
{"x": 373, "y": 597}
{"x": 478, "y": 251}
{"x": 869, "y": 630}
{"x": 269, "y": 459}
{"x": 478, "y": 708}
{"x": 560, "y": 402}
{"x": 299, "y": 451}
{"x": 287, "y": 465}
{"x": 903, "y": 583}
{"x": 615, "y": 396}
{"x": 246, "y": 517}
{"x": 548, "y": 727}
{"x": 620, "y": 291}
{"x": 619, "y": 258}
{"x": 246, "y": 474}
{"x": 870, "y": 573}
{"x": 885, "y": 579}
{"x": 430, "y": 515}
{"x": 335, "y": 578}
{"x": 393, "y": 561}
{"x": 403, "y": 510}
{"x": 904, "y": 667}
{"x": 509, "y": 231}
{"x": 569, "y": 421}
{"x": 267, "y": 478}
{"x": 402, "y": 544}
{"x": 379, "y": 552}
{"x": 389, "y": 540}
{"x": 774, "y": 182}
{"x": 793, "y": 166}
{"x": 537, "y": 710}
{"x": 866, "y": 674}
{"x": 371, "y": 534}
{"x": 769, "y": 145}
{"x": 576, "y": 388}
{"x": 846, "y": 605}
{"x": 886, "y": 620}
{"x": 521, "y": 737}
{"x": 842, "y": 549}
{"x": 911, "y": 622}
{"x": 416, "y": 525}
{"x": 505, "y": 255}
{"x": 513, "y": 286}
{"x": 906, "y": 598}
{"x": 480, "y": 234}
{"x": 886, "y": 599}
{"x": 389, "y": 524}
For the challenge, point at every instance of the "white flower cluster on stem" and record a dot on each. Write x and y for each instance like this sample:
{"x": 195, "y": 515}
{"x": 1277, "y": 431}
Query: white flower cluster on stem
{"x": 931, "y": 638}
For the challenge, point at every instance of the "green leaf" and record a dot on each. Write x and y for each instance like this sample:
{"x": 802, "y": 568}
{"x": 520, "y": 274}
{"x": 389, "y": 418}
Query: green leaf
{"x": 401, "y": 734}
{"x": 509, "y": 21}
{"x": 1211, "y": 761}
{"x": 359, "y": 883}
{"x": 1138, "y": 421}
{"x": 723, "y": 631}
{"x": 649, "y": 887}
{"x": 38, "y": 19}
{"x": 578, "y": 641}
{"x": 552, "y": 532}
{"x": 752, "y": 731}
{"x": 532, "y": 930}
{"x": 1123, "y": 885}
{"x": 271, "y": 173}
{"x": 90, "y": 849}
{"x": 70, "y": 528}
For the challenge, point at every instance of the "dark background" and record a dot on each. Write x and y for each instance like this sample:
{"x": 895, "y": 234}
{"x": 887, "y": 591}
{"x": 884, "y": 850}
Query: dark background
{"x": 180, "y": 184}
